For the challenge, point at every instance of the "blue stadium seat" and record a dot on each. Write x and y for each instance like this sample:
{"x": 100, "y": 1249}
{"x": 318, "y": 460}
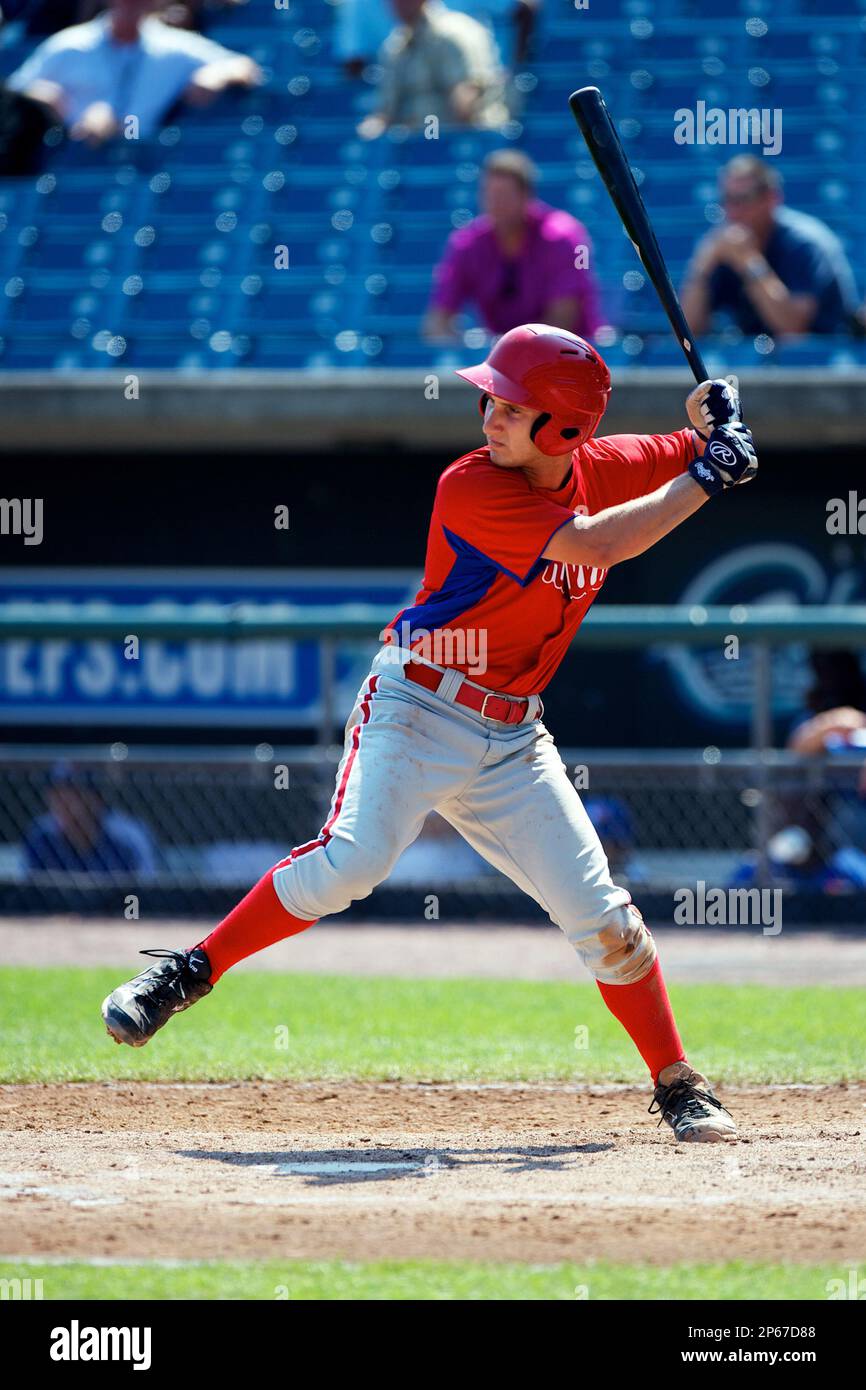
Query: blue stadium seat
{"x": 67, "y": 244}
{"x": 303, "y": 353}
{"x": 162, "y": 252}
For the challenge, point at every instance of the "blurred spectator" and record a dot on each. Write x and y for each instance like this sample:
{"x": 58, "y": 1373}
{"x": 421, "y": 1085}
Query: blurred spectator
{"x": 437, "y": 63}
{"x": 612, "y": 820}
{"x": 518, "y": 262}
{"x": 79, "y": 834}
{"x": 836, "y": 726}
{"x": 794, "y": 861}
{"x": 836, "y": 701}
{"x": 126, "y": 63}
{"x": 807, "y": 850}
{"x": 24, "y": 123}
{"x": 770, "y": 269}
{"x": 362, "y": 26}
{"x": 832, "y": 729}
{"x": 524, "y": 15}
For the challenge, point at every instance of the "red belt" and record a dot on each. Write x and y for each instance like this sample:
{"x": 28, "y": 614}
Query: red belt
{"x": 508, "y": 709}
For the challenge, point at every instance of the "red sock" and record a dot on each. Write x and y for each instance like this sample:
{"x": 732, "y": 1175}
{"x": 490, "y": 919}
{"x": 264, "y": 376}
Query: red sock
{"x": 258, "y": 921}
{"x": 645, "y": 1013}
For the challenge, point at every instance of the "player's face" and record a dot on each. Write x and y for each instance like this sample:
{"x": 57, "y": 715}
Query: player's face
{"x": 506, "y": 429}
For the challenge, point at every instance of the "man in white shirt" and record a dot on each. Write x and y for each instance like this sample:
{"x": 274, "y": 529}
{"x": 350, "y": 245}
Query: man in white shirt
{"x": 437, "y": 63}
{"x": 362, "y": 26}
{"x": 127, "y": 65}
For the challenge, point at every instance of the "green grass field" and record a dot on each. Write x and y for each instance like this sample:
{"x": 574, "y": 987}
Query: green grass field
{"x": 311, "y": 1027}
{"x": 302, "y": 1280}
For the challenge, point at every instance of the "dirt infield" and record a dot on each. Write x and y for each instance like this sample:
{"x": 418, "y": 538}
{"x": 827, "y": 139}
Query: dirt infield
{"x": 359, "y": 1171}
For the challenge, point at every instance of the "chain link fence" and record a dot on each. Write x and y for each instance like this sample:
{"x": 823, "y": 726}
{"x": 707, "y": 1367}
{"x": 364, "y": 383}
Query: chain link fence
{"x": 181, "y": 831}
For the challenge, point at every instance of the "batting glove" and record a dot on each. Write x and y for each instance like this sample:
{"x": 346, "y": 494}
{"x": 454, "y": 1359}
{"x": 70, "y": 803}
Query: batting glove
{"x": 728, "y": 459}
{"x": 711, "y": 404}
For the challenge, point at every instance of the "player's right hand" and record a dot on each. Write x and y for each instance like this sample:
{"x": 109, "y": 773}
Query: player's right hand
{"x": 728, "y": 459}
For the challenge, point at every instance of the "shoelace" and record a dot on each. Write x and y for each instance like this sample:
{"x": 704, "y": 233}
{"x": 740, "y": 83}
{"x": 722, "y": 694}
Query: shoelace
{"x": 174, "y": 981}
{"x": 694, "y": 1098}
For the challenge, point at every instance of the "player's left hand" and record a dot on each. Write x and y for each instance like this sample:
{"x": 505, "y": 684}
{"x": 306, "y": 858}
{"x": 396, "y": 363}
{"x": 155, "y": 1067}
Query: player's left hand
{"x": 728, "y": 459}
{"x": 711, "y": 404}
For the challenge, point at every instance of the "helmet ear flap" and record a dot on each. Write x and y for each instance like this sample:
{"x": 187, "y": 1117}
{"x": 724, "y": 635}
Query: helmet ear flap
{"x": 538, "y": 424}
{"x": 548, "y": 440}
{"x": 482, "y": 402}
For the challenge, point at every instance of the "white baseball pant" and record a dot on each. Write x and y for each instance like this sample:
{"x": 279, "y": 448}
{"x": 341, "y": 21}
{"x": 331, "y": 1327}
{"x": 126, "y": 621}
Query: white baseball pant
{"x": 409, "y": 751}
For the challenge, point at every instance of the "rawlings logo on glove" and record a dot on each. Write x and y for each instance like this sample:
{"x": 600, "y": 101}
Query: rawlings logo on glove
{"x": 720, "y": 453}
{"x": 729, "y": 459}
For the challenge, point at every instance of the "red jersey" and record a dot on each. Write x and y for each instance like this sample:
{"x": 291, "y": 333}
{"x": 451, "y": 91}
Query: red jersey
{"x": 490, "y": 604}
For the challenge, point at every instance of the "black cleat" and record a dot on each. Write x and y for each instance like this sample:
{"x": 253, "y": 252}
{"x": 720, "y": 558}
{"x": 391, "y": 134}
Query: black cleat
{"x": 135, "y": 1011}
{"x": 694, "y": 1114}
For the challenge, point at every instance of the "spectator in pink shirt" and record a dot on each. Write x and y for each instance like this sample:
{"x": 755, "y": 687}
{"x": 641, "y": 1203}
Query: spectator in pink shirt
{"x": 521, "y": 261}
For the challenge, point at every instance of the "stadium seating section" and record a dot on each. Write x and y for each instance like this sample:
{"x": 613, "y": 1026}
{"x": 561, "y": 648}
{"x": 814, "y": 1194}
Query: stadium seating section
{"x": 161, "y": 255}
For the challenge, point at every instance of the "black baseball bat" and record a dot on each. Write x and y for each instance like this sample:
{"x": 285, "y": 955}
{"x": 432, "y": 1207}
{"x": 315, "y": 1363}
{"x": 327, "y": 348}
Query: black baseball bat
{"x": 600, "y": 134}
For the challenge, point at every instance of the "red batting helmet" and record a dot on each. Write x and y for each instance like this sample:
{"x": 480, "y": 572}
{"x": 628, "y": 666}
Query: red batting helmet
{"x": 549, "y": 368}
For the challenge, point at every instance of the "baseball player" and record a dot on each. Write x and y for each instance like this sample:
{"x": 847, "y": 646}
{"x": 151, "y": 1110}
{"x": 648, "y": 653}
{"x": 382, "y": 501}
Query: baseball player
{"x": 522, "y": 536}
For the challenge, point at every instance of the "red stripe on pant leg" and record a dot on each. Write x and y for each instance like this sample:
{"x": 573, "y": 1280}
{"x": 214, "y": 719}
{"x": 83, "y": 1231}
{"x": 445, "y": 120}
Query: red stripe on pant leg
{"x": 298, "y": 851}
{"x": 324, "y": 834}
{"x": 366, "y": 707}
{"x": 260, "y": 918}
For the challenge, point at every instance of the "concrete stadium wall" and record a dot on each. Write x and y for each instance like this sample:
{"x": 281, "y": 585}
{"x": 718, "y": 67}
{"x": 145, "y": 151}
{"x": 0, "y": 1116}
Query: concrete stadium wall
{"x": 324, "y": 411}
